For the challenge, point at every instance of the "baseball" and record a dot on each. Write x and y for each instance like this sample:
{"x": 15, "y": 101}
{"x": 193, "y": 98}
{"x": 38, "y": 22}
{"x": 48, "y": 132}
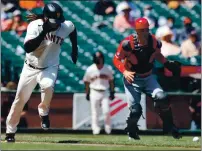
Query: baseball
{"x": 195, "y": 139}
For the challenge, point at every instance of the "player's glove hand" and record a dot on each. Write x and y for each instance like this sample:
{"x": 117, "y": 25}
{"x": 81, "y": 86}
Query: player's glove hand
{"x": 74, "y": 54}
{"x": 47, "y": 27}
{"x": 111, "y": 96}
{"x": 174, "y": 67}
{"x": 88, "y": 97}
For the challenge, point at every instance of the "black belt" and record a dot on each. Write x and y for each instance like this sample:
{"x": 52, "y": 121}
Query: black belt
{"x": 34, "y": 66}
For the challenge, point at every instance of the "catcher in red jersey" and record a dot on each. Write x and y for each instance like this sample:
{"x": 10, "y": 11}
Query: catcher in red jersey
{"x": 134, "y": 58}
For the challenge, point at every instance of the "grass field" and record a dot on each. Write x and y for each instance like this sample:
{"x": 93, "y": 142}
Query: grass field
{"x": 98, "y": 142}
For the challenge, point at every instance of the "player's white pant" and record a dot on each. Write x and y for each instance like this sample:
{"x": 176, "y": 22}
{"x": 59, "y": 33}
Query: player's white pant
{"x": 97, "y": 99}
{"x": 28, "y": 81}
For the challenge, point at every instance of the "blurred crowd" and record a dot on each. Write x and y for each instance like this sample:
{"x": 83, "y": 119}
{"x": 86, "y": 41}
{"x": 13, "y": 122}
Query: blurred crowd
{"x": 11, "y": 14}
{"x": 180, "y": 37}
{"x": 184, "y": 41}
{"x": 174, "y": 40}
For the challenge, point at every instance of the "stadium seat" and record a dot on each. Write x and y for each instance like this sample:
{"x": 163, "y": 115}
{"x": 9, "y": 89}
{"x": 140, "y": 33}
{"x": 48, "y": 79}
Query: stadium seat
{"x": 90, "y": 39}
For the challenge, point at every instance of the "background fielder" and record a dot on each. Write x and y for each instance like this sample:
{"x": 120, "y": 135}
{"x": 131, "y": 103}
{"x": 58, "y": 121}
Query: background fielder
{"x": 42, "y": 43}
{"x": 98, "y": 79}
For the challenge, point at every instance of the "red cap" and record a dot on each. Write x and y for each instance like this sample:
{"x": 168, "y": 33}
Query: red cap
{"x": 141, "y": 23}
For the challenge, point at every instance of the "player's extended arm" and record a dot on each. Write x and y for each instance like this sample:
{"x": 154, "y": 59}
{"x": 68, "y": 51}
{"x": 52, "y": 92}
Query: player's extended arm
{"x": 118, "y": 60}
{"x": 126, "y": 45}
{"x": 111, "y": 84}
{"x": 87, "y": 90}
{"x": 34, "y": 43}
{"x": 119, "y": 64}
{"x": 173, "y": 66}
{"x": 73, "y": 39}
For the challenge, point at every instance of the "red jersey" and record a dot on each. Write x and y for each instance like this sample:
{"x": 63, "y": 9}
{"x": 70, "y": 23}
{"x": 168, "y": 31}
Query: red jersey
{"x": 141, "y": 58}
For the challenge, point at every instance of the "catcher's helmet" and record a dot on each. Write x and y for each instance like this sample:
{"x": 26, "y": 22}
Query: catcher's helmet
{"x": 54, "y": 13}
{"x": 96, "y": 56}
{"x": 141, "y": 23}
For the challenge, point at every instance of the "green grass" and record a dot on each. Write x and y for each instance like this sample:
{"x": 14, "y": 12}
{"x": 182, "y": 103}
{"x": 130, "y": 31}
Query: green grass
{"x": 99, "y": 142}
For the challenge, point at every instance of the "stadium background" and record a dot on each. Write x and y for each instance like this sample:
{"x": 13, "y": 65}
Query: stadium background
{"x": 91, "y": 39}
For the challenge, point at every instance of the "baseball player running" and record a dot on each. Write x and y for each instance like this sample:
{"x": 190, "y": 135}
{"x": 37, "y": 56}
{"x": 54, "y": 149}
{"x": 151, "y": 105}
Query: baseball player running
{"x": 134, "y": 58}
{"x": 42, "y": 45}
{"x": 98, "y": 79}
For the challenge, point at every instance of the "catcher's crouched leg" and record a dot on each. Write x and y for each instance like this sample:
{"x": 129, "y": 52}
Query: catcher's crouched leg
{"x": 165, "y": 114}
{"x": 132, "y": 128}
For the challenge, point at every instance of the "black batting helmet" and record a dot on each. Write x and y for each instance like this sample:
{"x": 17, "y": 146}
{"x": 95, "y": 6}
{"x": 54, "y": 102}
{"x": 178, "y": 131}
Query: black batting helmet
{"x": 54, "y": 13}
{"x": 96, "y": 57}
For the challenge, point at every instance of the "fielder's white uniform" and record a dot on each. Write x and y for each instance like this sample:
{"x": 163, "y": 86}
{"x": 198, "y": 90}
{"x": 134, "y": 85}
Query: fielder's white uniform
{"x": 45, "y": 57}
{"x": 99, "y": 94}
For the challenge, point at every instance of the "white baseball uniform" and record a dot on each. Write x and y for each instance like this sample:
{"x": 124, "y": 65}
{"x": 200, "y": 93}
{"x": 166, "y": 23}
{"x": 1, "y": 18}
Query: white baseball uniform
{"x": 41, "y": 66}
{"x": 99, "y": 94}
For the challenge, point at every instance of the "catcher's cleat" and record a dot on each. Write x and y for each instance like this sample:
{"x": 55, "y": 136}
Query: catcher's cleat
{"x": 45, "y": 123}
{"x": 175, "y": 133}
{"x": 10, "y": 137}
{"x": 133, "y": 134}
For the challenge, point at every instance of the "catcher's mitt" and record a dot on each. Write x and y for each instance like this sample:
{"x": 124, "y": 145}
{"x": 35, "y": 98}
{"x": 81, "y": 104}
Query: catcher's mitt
{"x": 174, "y": 67}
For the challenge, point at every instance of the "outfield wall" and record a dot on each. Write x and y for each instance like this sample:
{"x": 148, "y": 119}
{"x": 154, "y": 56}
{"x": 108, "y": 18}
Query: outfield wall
{"x": 63, "y": 109}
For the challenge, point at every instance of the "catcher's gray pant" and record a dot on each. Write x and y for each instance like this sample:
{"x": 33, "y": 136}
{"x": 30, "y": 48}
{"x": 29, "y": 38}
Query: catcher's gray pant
{"x": 148, "y": 85}
{"x": 28, "y": 81}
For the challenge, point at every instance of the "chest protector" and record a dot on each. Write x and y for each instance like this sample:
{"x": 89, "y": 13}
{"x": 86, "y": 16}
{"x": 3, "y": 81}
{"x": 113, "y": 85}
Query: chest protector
{"x": 142, "y": 54}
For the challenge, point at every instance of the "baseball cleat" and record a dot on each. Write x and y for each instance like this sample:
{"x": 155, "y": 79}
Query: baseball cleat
{"x": 96, "y": 131}
{"x": 134, "y": 136}
{"x": 108, "y": 129}
{"x": 45, "y": 123}
{"x": 10, "y": 137}
{"x": 175, "y": 133}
